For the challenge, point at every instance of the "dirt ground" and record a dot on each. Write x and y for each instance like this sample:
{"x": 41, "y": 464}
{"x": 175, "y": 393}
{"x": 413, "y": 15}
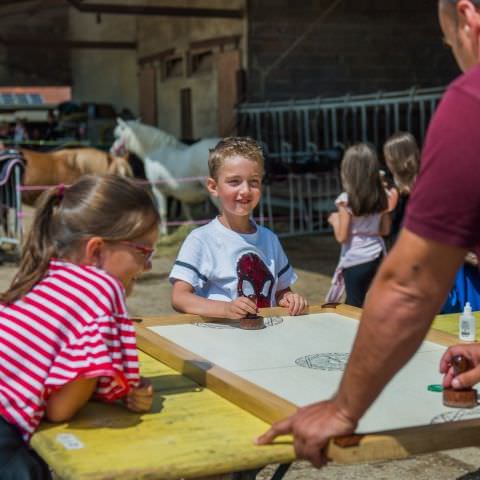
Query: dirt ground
{"x": 314, "y": 259}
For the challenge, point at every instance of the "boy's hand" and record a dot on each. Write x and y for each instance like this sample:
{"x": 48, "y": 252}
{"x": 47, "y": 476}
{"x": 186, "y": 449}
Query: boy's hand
{"x": 140, "y": 398}
{"x": 463, "y": 380}
{"x": 295, "y": 303}
{"x": 240, "y": 308}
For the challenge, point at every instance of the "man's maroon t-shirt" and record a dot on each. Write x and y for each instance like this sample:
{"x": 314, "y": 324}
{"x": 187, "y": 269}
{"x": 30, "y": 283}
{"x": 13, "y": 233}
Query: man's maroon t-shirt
{"x": 445, "y": 203}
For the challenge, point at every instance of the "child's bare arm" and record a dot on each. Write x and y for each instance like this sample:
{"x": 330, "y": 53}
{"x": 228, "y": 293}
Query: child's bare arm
{"x": 65, "y": 402}
{"x": 340, "y": 221}
{"x": 385, "y": 224}
{"x": 393, "y": 197}
{"x": 295, "y": 303}
{"x": 185, "y": 300}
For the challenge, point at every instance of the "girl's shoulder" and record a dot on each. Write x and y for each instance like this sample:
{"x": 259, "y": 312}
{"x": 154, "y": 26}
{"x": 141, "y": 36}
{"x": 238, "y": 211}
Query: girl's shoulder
{"x": 87, "y": 281}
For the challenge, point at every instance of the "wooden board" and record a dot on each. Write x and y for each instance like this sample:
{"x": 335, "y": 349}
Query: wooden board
{"x": 236, "y": 383}
{"x": 190, "y": 433}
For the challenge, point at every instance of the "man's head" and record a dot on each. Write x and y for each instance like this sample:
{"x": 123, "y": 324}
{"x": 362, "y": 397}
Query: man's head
{"x": 460, "y": 23}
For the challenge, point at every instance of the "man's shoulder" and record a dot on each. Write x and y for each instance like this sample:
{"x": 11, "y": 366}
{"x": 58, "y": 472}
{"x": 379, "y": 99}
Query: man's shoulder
{"x": 467, "y": 84}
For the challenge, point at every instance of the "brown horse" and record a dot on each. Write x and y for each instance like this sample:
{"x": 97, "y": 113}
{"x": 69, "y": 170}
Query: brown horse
{"x": 65, "y": 166}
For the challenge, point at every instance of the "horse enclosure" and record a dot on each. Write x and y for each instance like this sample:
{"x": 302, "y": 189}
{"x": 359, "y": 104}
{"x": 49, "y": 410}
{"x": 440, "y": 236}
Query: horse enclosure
{"x": 304, "y": 142}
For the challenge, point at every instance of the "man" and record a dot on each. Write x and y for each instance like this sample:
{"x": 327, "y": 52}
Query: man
{"x": 442, "y": 224}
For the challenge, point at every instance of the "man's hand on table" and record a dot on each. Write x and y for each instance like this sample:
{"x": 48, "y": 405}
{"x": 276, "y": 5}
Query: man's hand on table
{"x": 312, "y": 427}
{"x": 463, "y": 380}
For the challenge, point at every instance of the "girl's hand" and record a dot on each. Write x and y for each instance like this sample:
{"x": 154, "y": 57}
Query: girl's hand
{"x": 140, "y": 399}
{"x": 240, "y": 308}
{"x": 295, "y": 303}
{"x": 333, "y": 219}
{"x": 472, "y": 259}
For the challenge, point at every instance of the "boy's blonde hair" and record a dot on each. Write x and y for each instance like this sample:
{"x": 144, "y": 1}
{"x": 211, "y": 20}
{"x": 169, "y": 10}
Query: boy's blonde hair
{"x": 403, "y": 159}
{"x": 245, "y": 147}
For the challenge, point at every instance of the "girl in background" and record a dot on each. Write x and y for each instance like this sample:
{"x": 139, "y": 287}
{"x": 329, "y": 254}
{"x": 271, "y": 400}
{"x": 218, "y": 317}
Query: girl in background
{"x": 359, "y": 224}
{"x": 65, "y": 334}
{"x": 402, "y": 157}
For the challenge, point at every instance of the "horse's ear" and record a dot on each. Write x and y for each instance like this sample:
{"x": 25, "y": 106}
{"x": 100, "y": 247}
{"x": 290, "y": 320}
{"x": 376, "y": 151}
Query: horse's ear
{"x": 121, "y": 122}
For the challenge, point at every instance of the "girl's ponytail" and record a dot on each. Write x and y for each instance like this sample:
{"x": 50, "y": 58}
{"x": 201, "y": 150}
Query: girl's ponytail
{"x": 39, "y": 247}
{"x": 107, "y": 206}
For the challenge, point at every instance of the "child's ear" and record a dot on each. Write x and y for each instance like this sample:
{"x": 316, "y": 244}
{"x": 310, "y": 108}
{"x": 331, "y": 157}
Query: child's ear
{"x": 212, "y": 186}
{"x": 93, "y": 251}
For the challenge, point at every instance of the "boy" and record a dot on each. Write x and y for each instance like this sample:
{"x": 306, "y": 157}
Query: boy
{"x": 231, "y": 258}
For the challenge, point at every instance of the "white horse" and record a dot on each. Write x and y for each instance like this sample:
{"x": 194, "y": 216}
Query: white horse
{"x": 172, "y": 167}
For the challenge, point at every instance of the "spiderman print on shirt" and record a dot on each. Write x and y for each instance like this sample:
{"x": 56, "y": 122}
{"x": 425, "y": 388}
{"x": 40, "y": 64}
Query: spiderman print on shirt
{"x": 254, "y": 278}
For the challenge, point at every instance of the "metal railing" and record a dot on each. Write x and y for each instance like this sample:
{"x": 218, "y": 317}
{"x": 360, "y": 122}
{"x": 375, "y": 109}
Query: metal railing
{"x": 11, "y": 228}
{"x": 297, "y": 135}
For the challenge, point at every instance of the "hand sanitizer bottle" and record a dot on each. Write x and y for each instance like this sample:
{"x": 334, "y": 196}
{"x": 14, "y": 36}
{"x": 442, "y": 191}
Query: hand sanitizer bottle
{"x": 467, "y": 325}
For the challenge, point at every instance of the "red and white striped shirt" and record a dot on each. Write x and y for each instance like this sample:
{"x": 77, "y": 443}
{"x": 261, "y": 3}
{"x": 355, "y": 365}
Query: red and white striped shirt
{"x": 72, "y": 324}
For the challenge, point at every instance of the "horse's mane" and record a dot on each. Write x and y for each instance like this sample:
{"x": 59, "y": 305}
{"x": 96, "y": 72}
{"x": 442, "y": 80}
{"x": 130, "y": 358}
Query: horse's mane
{"x": 152, "y": 138}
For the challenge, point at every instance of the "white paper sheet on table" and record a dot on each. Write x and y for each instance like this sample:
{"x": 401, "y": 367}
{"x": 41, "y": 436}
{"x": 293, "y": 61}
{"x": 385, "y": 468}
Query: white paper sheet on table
{"x": 268, "y": 358}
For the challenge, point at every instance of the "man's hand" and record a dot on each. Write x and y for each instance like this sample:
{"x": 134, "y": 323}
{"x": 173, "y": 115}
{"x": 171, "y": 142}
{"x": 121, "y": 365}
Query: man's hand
{"x": 463, "y": 380}
{"x": 240, "y": 308}
{"x": 295, "y": 303}
{"x": 140, "y": 399}
{"x": 312, "y": 427}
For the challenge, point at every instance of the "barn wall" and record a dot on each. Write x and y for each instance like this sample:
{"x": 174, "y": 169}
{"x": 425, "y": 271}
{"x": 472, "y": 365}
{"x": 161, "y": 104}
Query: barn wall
{"x": 104, "y": 75}
{"x": 361, "y": 47}
{"x": 28, "y": 65}
{"x": 157, "y": 34}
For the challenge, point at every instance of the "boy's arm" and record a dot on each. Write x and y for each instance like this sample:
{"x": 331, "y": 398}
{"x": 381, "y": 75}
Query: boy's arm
{"x": 184, "y": 300}
{"x": 64, "y": 403}
{"x": 295, "y": 302}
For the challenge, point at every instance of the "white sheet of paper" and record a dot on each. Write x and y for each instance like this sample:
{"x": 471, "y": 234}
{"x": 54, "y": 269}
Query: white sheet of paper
{"x": 268, "y": 358}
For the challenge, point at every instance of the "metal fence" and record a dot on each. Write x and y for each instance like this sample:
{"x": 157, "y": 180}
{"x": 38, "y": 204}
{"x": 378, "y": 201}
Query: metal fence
{"x": 11, "y": 230}
{"x": 300, "y": 135}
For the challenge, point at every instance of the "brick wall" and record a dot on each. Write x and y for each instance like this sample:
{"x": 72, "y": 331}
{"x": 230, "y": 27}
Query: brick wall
{"x": 29, "y": 64}
{"x": 361, "y": 47}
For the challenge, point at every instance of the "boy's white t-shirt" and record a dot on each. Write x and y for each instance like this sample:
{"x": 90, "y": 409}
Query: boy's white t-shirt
{"x": 221, "y": 264}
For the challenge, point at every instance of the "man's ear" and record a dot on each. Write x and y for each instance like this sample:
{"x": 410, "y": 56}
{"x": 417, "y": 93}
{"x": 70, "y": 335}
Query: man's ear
{"x": 93, "y": 251}
{"x": 212, "y": 186}
{"x": 468, "y": 17}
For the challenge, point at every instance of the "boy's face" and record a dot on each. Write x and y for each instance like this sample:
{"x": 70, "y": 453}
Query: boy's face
{"x": 238, "y": 186}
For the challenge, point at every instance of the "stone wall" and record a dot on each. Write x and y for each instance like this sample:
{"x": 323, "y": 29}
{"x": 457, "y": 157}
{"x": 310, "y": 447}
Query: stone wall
{"x": 361, "y": 46}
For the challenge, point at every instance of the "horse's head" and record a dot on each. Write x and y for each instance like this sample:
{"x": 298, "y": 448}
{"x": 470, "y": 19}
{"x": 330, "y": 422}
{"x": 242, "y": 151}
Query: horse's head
{"x": 125, "y": 139}
{"x": 120, "y": 166}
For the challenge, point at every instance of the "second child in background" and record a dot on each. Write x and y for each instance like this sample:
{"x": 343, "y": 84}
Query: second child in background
{"x": 359, "y": 224}
{"x": 402, "y": 157}
{"x": 223, "y": 263}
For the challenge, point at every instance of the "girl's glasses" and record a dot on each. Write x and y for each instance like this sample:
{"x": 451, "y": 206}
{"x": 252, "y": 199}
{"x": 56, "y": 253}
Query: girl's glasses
{"x": 147, "y": 252}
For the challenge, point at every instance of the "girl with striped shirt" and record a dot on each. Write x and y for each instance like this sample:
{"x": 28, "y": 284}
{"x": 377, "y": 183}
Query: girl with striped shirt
{"x": 65, "y": 334}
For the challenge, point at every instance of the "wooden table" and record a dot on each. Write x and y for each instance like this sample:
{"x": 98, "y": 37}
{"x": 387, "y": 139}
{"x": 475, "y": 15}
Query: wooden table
{"x": 194, "y": 432}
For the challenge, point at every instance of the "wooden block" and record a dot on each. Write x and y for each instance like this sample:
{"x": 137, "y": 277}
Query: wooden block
{"x": 252, "y": 323}
{"x": 466, "y": 398}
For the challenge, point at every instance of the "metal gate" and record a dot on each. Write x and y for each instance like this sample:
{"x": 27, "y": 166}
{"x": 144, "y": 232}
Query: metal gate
{"x": 298, "y": 136}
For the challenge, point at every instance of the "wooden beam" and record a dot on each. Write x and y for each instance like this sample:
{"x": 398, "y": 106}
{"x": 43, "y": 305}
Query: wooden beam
{"x": 215, "y": 42}
{"x": 66, "y": 44}
{"x": 153, "y": 10}
{"x": 156, "y": 56}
